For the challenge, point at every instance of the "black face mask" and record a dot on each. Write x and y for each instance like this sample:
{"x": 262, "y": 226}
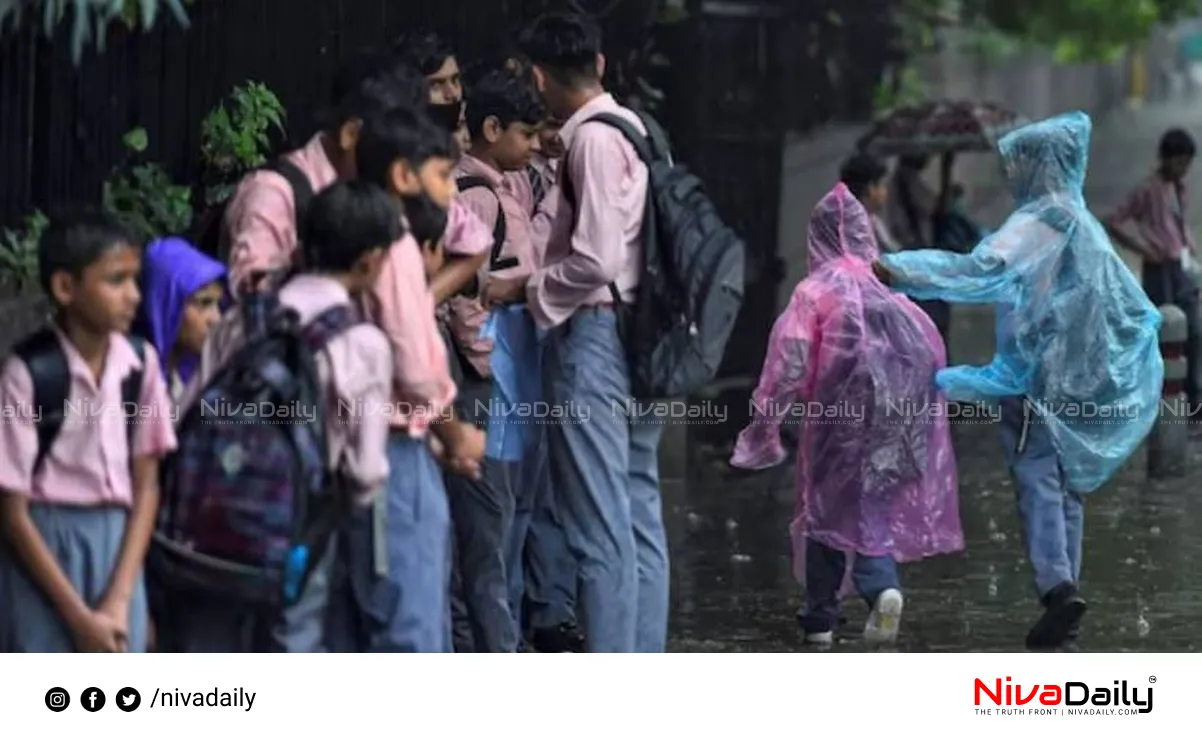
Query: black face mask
{"x": 446, "y": 115}
{"x": 427, "y": 220}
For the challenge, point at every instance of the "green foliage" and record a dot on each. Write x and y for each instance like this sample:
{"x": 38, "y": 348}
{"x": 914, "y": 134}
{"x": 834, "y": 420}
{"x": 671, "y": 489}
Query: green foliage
{"x": 19, "y": 253}
{"x": 900, "y": 87}
{"x": 144, "y": 197}
{"x": 238, "y": 138}
{"x": 1082, "y": 30}
{"x": 90, "y": 18}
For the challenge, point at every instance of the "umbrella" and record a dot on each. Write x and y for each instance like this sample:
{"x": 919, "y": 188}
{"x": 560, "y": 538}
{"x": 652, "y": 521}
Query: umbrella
{"x": 940, "y": 126}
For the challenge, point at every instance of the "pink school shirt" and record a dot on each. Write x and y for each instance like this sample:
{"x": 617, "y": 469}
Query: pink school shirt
{"x": 465, "y": 315}
{"x": 402, "y": 304}
{"x": 355, "y": 368}
{"x": 1153, "y": 206}
{"x": 599, "y": 243}
{"x": 542, "y": 214}
{"x": 261, "y": 218}
{"x": 89, "y": 462}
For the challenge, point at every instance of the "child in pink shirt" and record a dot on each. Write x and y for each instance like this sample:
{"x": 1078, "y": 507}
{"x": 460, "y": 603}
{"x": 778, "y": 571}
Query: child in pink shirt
{"x": 77, "y": 504}
{"x": 347, "y": 231}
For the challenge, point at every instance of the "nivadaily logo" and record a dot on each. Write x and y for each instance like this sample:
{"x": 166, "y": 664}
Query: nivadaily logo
{"x": 1069, "y": 698}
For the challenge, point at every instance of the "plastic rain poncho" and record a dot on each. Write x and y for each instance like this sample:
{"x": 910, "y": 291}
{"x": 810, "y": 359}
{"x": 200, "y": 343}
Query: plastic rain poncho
{"x": 1076, "y": 334}
{"x": 856, "y": 363}
{"x": 516, "y": 363}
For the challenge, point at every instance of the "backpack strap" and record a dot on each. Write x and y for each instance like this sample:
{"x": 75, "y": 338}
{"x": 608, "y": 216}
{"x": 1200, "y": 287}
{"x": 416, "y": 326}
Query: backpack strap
{"x": 47, "y": 362}
{"x": 500, "y": 228}
{"x": 328, "y": 324}
{"x": 43, "y": 354}
{"x": 302, "y": 190}
{"x": 131, "y": 388}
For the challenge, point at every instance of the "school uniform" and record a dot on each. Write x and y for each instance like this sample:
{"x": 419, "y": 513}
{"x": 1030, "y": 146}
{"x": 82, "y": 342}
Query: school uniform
{"x": 80, "y": 497}
{"x": 261, "y": 218}
{"x": 543, "y": 572}
{"x": 604, "y": 468}
{"x": 398, "y": 556}
{"x": 482, "y": 511}
{"x": 355, "y": 368}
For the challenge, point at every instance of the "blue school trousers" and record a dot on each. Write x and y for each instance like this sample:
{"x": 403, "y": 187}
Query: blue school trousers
{"x": 825, "y": 569}
{"x": 1053, "y": 519}
{"x": 86, "y": 541}
{"x": 605, "y": 478}
{"x": 542, "y": 570}
{"x": 396, "y": 562}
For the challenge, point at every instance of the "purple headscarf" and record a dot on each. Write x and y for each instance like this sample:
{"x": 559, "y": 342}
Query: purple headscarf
{"x": 172, "y": 271}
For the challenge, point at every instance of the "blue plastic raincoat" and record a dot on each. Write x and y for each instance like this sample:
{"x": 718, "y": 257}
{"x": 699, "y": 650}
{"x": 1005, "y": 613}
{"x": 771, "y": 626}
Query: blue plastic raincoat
{"x": 517, "y": 382}
{"x": 1076, "y": 334}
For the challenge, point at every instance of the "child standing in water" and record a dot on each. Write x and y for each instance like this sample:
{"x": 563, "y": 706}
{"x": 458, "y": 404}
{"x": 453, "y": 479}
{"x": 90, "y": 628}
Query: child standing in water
{"x": 183, "y": 291}
{"x": 876, "y": 478}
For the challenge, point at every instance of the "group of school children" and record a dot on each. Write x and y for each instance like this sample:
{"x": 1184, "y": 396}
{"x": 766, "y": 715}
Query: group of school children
{"x": 438, "y": 252}
{"x": 415, "y": 220}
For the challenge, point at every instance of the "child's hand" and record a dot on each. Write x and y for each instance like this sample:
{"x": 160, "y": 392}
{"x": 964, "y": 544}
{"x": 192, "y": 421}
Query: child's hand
{"x": 464, "y": 449}
{"x": 881, "y": 272}
{"x": 503, "y": 291}
{"x": 117, "y": 610}
{"x": 98, "y": 632}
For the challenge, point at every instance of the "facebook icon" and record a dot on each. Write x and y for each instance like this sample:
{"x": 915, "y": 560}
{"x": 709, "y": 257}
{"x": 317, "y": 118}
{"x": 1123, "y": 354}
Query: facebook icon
{"x": 92, "y": 699}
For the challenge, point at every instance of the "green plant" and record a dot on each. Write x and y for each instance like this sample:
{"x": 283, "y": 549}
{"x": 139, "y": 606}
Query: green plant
{"x": 902, "y": 86}
{"x": 238, "y": 138}
{"x": 90, "y": 18}
{"x": 19, "y": 252}
{"x": 144, "y": 196}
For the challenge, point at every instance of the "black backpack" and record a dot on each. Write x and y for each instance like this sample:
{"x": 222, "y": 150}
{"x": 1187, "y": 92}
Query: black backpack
{"x": 461, "y": 369}
{"x": 211, "y": 236}
{"x": 47, "y": 363}
{"x": 692, "y": 283}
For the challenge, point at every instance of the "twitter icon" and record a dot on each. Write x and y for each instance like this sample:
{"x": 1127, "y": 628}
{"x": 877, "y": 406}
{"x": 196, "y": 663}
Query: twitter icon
{"x": 128, "y": 699}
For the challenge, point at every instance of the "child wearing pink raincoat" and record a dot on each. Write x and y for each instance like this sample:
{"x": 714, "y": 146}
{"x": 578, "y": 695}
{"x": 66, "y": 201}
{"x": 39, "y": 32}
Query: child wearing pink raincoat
{"x": 876, "y": 474}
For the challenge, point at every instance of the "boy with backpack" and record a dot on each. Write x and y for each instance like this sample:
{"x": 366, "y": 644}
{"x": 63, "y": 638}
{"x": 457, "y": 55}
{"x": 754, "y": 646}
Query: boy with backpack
{"x": 403, "y": 600}
{"x": 331, "y": 402}
{"x": 617, "y": 331}
{"x": 259, "y": 227}
{"x": 502, "y": 116}
{"x": 79, "y": 482}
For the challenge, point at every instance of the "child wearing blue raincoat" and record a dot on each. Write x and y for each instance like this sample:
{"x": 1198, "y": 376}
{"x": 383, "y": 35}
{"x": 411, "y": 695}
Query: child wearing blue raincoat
{"x": 1077, "y": 366}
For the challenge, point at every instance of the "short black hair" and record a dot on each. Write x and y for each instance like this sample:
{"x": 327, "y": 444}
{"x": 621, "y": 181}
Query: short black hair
{"x": 371, "y": 80}
{"x": 425, "y": 51}
{"x": 860, "y": 172}
{"x": 509, "y": 97}
{"x": 403, "y": 133}
{"x": 1177, "y": 143}
{"x": 347, "y": 220}
{"x": 565, "y": 45}
{"x": 77, "y": 238}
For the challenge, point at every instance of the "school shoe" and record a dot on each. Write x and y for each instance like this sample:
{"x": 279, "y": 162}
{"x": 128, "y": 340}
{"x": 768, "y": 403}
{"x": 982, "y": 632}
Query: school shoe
{"x": 1063, "y": 609}
{"x": 821, "y": 639}
{"x": 563, "y": 638}
{"x": 884, "y": 620}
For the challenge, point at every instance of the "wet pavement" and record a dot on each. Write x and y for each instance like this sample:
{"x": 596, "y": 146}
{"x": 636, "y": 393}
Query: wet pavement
{"x": 733, "y": 589}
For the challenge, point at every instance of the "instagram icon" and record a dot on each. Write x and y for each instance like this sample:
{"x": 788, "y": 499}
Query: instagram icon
{"x": 57, "y": 699}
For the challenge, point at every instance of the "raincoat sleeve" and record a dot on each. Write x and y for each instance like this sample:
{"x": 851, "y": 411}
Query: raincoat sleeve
{"x": 987, "y": 275}
{"x": 787, "y": 368}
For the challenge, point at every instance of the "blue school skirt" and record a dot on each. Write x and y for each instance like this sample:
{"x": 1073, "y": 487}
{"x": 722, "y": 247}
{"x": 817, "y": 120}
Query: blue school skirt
{"x": 86, "y": 542}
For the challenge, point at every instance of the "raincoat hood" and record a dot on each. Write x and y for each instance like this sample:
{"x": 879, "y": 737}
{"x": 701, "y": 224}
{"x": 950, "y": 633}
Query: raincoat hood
{"x": 1047, "y": 158}
{"x": 876, "y": 472}
{"x": 1076, "y": 335}
{"x": 172, "y": 271}
{"x": 840, "y": 228}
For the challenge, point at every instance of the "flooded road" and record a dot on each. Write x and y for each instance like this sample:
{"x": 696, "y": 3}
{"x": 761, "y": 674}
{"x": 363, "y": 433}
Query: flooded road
{"x": 733, "y": 589}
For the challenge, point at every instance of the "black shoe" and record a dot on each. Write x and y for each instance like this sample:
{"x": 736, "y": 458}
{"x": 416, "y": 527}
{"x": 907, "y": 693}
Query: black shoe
{"x": 1063, "y": 612}
{"x": 565, "y": 638}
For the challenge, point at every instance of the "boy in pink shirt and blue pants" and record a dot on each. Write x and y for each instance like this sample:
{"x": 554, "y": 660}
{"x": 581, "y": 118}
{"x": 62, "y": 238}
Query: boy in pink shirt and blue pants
{"x": 77, "y": 505}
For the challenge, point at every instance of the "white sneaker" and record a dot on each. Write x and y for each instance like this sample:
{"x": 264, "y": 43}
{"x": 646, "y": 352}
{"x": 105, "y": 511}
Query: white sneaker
{"x": 885, "y": 619}
{"x": 820, "y": 638}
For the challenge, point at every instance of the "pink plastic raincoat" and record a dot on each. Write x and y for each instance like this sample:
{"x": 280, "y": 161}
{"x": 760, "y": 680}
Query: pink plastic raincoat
{"x": 856, "y": 363}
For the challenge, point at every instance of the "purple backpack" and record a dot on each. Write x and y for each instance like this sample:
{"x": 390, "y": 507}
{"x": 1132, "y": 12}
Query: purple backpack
{"x": 248, "y": 501}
